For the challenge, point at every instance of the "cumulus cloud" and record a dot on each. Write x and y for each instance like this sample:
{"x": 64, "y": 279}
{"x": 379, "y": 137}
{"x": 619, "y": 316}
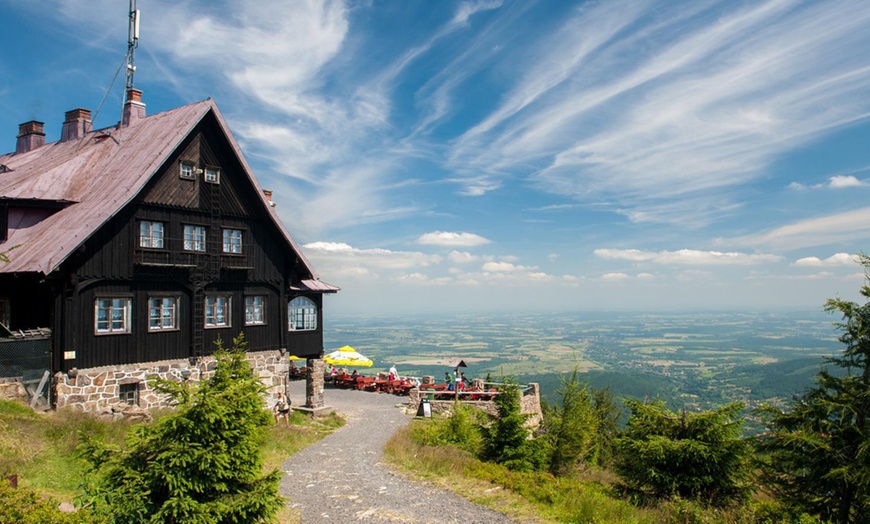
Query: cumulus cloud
{"x": 686, "y": 257}
{"x": 845, "y": 181}
{"x": 835, "y": 182}
{"x": 449, "y": 238}
{"x": 838, "y": 259}
{"x": 505, "y": 267}
{"x": 339, "y": 254}
{"x": 462, "y": 257}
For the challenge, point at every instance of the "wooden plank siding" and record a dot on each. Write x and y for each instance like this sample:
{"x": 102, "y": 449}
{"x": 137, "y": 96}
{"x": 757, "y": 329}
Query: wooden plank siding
{"x": 87, "y": 245}
{"x": 112, "y": 263}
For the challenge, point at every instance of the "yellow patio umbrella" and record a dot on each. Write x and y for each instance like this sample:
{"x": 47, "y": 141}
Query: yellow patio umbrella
{"x": 294, "y": 357}
{"x": 346, "y": 356}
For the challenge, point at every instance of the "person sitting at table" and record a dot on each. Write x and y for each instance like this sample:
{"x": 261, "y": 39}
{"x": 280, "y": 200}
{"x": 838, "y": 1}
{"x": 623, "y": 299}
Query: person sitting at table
{"x": 354, "y": 375}
{"x": 394, "y": 373}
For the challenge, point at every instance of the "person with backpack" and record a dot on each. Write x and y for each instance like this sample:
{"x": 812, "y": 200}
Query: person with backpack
{"x": 282, "y": 409}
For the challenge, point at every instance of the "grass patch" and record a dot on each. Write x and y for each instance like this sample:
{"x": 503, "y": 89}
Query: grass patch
{"x": 40, "y": 448}
{"x": 541, "y": 497}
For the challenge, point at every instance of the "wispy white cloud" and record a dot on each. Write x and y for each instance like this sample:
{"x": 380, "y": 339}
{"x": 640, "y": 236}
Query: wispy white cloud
{"x": 643, "y": 105}
{"x": 847, "y": 226}
{"x": 450, "y": 238}
{"x": 687, "y": 257}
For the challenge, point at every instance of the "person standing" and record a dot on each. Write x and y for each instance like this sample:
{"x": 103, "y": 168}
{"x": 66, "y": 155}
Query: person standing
{"x": 448, "y": 381}
{"x": 282, "y": 409}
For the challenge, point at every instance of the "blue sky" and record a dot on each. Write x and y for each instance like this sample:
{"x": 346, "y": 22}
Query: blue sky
{"x": 509, "y": 155}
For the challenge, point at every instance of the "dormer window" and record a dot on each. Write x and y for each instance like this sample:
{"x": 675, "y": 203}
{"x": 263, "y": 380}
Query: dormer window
{"x": 187, "y": 171}
{"x": 212, "y": 175}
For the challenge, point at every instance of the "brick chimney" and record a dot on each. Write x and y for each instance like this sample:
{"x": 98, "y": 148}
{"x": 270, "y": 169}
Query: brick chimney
{"x": 30, "y": 136}
{"x": 268, "y": 194}
{"x": 134, "y": 109}
{"x": 76, "y": 124}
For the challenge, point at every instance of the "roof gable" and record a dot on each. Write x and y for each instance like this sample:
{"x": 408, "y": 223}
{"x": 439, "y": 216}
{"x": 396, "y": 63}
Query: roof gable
{"x": 100, "y": 174}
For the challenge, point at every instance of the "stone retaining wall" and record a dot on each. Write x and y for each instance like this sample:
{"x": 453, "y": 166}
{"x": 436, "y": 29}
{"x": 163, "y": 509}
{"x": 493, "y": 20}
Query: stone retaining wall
{"x": 99, "y": 389}
{"x": 530, "y": 404}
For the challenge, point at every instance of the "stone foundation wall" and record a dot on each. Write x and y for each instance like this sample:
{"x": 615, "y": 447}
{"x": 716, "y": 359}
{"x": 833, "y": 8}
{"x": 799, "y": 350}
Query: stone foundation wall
{"x": 99, "y": 389}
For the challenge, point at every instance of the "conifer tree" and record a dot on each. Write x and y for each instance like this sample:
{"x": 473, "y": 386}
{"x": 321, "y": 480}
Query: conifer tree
{"x": 198, "y": 465}
{"x": 571, "y": 426}
{"x": 816, "y": 456}
{"x": 506, "y": 440}
{"x": 699, "y": 456}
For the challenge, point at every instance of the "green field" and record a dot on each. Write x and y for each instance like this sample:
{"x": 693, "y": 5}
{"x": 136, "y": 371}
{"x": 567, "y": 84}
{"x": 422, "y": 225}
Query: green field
{"x": 691, "y": 360}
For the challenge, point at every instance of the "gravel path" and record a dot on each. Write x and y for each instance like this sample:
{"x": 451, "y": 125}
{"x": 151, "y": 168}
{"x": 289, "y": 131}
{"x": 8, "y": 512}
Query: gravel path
{"x": 342, "y": 478}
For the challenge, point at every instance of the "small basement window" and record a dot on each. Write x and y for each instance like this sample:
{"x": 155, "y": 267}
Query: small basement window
{"x": 129, "y": 393}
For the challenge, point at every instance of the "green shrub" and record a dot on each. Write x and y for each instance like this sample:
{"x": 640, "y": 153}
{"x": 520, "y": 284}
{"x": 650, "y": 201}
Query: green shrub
{"x": 201, "y": 464}
{"x": 25, "y": 506}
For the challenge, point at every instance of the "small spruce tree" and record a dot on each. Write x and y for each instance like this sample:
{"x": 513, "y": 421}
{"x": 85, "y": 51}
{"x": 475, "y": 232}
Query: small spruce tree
{"x": 199, "y": 465}
{"x": 506, "y": 440}
{"x": 698, "y": 456}
{"x": 571, "y": 426}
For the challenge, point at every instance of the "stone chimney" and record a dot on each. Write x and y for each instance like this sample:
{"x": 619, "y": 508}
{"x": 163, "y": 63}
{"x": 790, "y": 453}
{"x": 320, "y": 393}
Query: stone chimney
{"x": 76, "y": 124}
{"x": 30, "y": 136}
{"x": 134, "y": 109}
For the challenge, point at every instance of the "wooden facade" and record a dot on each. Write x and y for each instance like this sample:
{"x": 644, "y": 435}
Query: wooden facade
{"x": 197, "y": 179}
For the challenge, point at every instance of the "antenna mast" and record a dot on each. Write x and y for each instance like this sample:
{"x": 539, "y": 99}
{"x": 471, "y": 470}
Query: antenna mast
{"x": 132, "y": 43}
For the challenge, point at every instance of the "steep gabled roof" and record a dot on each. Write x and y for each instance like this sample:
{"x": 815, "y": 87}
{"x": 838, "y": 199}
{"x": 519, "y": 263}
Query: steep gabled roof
{"x": 95, "y": 177}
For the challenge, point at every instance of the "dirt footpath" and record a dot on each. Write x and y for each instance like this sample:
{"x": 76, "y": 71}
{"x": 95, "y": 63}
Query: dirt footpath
{"x": 342, "y": 477}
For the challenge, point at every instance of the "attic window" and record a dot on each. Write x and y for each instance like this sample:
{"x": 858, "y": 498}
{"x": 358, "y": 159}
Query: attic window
{"x": 187, "y": 171}
{"x": 212, "y": 175}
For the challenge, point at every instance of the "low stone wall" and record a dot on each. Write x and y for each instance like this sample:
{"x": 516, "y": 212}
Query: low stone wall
{"x": 530, "y": 404}
{"x": 99, "y": 389}
{"x": 12, "y": 390}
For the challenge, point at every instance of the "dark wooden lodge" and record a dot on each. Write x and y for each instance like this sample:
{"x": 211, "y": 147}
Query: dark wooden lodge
{"x": 148, "y": 241}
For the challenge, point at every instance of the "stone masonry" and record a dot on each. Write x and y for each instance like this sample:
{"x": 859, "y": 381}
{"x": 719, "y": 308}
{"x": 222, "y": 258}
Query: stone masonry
{"x": 100, "y": 389}
{"x": 530, "y": 404}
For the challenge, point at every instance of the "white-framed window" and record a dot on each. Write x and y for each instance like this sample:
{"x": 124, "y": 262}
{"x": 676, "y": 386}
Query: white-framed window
{"x": 232, "y": 240}
{"x": 212, "y": 175}
{"x": 194, "y": 238}
{"x": 187, "y": 171}
{"x": 112, "y": 315}
{"x": 255, "y": 310}
{"x": 217, "y": 311}
{"x": 162, "y": 313}
{"x": 302, "y": 314}
{"x": 151, "y": 234}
